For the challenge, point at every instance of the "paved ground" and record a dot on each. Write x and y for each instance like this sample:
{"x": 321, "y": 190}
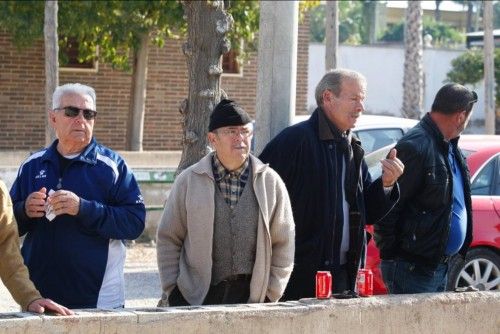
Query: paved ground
{"x": 142, "y": 282}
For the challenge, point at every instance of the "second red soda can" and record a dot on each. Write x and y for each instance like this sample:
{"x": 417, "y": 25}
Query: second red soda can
{"x": 364, "y": 282}
{"x": 323, "y": 285}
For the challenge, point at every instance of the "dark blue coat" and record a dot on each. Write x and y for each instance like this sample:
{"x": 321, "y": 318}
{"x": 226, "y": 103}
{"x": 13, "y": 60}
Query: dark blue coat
{"x": 309, "y": 167}
{"x": 68, "y": 257}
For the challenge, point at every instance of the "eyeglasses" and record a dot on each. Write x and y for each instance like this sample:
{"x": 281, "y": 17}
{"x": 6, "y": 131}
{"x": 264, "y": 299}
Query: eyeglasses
{"x": 245, "y": 133}
{"x": 72, "y": 112}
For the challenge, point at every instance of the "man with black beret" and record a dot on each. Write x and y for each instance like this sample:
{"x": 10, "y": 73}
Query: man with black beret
{"x": 226, "y": 235}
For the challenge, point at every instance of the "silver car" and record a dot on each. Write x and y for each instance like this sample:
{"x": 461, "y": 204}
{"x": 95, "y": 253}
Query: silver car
{"x": 376, "y": 131}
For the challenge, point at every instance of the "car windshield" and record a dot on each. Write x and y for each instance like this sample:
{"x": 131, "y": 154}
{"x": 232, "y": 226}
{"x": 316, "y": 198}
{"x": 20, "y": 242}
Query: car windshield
{"x": 374, "y": 139}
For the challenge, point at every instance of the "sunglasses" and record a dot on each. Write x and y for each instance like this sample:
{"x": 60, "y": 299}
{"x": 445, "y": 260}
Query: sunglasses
{"x": 72, "y": 112}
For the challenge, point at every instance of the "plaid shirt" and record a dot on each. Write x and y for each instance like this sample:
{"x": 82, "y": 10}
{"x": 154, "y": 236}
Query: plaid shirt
{"x": 230, "y": 183}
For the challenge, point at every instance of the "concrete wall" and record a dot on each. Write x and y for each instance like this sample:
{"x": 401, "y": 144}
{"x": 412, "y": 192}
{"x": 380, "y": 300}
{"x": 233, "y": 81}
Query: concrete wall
{"x": 470, "y": 312}
{"x": 383, "y": 68}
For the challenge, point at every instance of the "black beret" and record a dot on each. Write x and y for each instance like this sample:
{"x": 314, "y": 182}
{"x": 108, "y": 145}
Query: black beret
{"x": 227, "y": 113}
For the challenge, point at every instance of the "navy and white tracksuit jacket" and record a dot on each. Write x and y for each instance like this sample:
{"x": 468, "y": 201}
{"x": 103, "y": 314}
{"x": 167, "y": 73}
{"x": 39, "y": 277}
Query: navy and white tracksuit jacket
{"x": 78, "y": 260}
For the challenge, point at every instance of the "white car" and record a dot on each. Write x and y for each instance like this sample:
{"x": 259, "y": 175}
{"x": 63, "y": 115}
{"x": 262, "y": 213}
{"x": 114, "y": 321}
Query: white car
{"x": 376, "y": 131}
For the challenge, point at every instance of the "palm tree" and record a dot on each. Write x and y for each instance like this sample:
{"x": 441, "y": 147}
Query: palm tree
{"x": 437, "y": 12}
{"x": 413, "y": 78}
{"x": 471, "y": 15}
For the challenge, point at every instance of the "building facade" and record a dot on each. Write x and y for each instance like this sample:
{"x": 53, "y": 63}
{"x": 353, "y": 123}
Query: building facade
{"x": 22, "y": 87}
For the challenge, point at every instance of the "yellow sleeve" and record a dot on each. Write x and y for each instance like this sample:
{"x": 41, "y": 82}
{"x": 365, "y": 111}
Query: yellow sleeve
{"x": 13, "y": 272}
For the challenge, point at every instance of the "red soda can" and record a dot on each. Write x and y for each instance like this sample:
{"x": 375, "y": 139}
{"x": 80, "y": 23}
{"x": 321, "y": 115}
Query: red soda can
{"x": 323, "y": 285}
{"x": 364, "y": 282}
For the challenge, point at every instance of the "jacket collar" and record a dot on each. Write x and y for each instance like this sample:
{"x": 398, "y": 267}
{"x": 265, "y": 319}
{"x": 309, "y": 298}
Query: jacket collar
{"x": 329, "y": 131}
{"x": 204, "y": 166}
{"x": 89, "y": 155}
{"x": 429, "y": 125}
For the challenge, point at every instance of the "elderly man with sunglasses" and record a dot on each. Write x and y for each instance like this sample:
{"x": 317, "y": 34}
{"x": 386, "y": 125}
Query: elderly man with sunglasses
{"x": 227, "y": 233}
{"x": 77, "y": 201}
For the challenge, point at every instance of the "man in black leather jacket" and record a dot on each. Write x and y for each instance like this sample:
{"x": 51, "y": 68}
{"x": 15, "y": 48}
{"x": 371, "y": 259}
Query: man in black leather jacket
{"x": 433, "y": 218}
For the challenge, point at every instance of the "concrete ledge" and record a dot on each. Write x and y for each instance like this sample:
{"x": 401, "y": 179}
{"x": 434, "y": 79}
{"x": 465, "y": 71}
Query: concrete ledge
{"x": 470, "y": 312}
{"x": 144, "y": 159}
{"x": 152, "y": 159}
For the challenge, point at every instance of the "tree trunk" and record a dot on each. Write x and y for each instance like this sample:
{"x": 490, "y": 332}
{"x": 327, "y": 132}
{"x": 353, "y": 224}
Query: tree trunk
{"x": 477, "y": 17}
{"x": 370, "y": 18}
{"x": 489, "y": 70}
{"x": 437, "y": 12}
{"x": 51, "y": 63}
{"x": 413, "y": 78}
{"x": 470, "y": 13}
{"x": 138, "y": 95}
{"x": 208, "y": 24}
{"x": 332, "y": 35}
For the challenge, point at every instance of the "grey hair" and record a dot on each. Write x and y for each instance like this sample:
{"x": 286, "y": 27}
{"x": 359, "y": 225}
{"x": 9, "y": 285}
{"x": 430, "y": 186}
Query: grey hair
{"x": 72, "y": 88}
{"x": 332, "y": 81}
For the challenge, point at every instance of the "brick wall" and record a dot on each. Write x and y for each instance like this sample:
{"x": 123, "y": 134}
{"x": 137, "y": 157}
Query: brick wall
{"x": 302, "y": 66}
{"x": 22, "y": 87}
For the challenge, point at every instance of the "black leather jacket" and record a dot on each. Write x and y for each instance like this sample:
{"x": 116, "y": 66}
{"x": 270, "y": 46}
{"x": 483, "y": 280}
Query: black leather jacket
{"x": 417, "y": 229}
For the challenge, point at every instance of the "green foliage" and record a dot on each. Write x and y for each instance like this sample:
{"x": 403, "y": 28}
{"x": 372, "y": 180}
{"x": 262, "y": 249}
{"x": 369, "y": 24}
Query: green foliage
{"x": 245, "y": 14}
{"x": 305, "y": 6}
{"x": 116, "y": 26}
{"x": 394, "y": 33}
{"x": 468, "y": 68}
{"x": 350, "y": 22}
{"x": 442, "y": 33}
{"x": 317, "y": 24}
{"x": 23, "y": 20}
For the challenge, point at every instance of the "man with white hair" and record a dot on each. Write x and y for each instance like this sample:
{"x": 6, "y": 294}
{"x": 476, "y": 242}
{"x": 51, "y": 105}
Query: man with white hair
{"x": 76, "y": 201}
{"x": 331, "y": 190}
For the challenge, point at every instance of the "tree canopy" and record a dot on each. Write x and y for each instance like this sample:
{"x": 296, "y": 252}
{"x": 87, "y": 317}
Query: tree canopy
{"x": 116, "y": 26}
{"x": 351, "y": 26}
{"x": 468, "y": 68}
{"x": 442, "y": 33}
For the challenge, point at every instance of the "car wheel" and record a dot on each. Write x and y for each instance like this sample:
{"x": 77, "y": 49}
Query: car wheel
{"x": 481, "y": 269}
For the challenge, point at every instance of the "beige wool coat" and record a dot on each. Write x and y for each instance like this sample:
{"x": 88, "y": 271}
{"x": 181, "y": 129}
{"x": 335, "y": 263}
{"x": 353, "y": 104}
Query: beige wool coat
{"x": 185, "y": 232}
{"x": 13, "y": 272}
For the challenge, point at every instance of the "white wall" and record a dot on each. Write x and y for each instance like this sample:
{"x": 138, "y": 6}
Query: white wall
{"x": 383, "y": 68}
